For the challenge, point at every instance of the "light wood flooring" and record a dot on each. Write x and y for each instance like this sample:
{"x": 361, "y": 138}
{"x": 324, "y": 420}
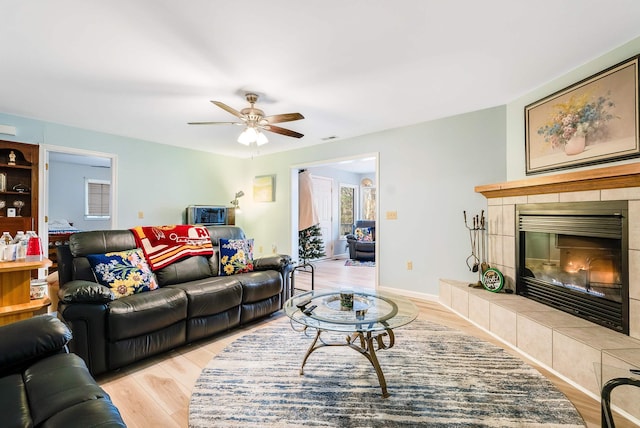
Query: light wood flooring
{"x": 156, "y": 392}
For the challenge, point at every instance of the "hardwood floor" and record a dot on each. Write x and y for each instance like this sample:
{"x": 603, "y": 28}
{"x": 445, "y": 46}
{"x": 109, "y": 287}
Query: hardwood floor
{"x": 156, "y": 392}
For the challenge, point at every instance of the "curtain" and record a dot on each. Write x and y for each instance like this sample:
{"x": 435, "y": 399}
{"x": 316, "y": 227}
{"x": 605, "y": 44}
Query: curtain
{"x": 307, "y": 215}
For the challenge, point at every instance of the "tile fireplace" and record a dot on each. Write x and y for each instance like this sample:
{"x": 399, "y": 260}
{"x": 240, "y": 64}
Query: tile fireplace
{"x": 573, "y": 256}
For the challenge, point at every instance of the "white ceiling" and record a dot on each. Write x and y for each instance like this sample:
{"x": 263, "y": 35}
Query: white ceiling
{"x": 145, "y": 68}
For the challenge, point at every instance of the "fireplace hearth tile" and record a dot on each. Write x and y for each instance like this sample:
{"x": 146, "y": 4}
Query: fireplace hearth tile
{"x": 555, "y": 318}
{"x": 460, "y": 301}
{"x": 600, "y": 337}
{"x": 522, "y": 304}
{"x": 576, "y": 343}
{"x": 502, "y": 322}
{"x": 444, "y": 294}
{"x": 575, "y": 360}
{"x": 479, "y": 310}
{"x": 535, "y": 339}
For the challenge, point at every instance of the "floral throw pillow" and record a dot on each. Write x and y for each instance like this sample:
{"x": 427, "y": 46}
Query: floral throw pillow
{"x": 363, "y": 234}
{"x": 236, "y": 256}
{"x": 124, "y": 272}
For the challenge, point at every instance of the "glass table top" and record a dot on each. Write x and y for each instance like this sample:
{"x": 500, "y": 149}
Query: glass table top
{"x": 351, "y": 310}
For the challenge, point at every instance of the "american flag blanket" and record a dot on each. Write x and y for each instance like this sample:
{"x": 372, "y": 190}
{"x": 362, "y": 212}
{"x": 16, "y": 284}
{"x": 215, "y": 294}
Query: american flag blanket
{"x": 163, "y": 245}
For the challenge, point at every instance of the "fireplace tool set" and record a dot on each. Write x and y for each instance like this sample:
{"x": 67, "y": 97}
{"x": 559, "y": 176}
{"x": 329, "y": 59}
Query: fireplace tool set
{"x": 477, "y": 260}
{"x": 488, "y": 277}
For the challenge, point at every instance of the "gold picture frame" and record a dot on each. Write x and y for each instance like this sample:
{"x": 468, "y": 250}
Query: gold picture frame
{"x": 590, "y": 122}
{"x": 264, "y": 189}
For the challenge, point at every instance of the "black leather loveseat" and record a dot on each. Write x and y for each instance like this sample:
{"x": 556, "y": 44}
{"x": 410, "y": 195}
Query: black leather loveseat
{"x": 41, "y": 385}
{"x": 192, "y": 301}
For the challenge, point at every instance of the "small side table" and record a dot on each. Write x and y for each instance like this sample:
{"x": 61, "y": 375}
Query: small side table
{"x": 303, "y": 267}
{"x": 15, "y": 296}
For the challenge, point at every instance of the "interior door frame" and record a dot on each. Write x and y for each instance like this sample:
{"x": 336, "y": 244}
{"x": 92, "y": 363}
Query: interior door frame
{"x": 293, "y": 180}
{"x": 43, "y": 186}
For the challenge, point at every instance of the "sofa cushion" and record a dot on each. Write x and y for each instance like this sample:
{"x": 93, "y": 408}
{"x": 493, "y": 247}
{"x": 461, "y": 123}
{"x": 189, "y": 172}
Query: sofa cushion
{"x": 261, "y": 285}
{"x": 212, "y": 295}
{"x": 236, "y": 256}
{"x": 124, "y": 272}
{"x": 19, "y": 349}
{"x": 14, "y": 404}
{"x": 190, "y": 269}
{"x": 143, "y": 313}
{"x": 93, "y": 413}
{"x": 48, "y": 395}
{"x": 100, "y": 242}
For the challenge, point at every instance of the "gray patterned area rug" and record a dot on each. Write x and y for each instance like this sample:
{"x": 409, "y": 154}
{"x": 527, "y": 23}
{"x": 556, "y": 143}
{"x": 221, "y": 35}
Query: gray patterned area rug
{"x": 437, "y": 376}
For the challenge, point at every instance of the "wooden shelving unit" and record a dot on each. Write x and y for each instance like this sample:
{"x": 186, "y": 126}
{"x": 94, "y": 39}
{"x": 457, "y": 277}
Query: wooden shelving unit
{"x": 23, "y": 173}
{"x": 15, "y": 291}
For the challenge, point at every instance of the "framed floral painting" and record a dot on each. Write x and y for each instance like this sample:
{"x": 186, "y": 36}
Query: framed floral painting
{"x": 590, "y": 122}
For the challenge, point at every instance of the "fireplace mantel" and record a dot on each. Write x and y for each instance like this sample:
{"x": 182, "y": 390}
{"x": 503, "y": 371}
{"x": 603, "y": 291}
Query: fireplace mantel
{"x": 594, "y": 179}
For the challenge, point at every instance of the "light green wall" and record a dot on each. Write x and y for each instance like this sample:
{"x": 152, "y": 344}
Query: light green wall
{"x": 427, "y": 174}
{"x": 515, "y": 110}
{"x": 158, "y": 179}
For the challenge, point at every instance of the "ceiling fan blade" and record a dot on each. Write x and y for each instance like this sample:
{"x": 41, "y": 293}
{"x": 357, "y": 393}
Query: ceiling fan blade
{"x": 283, "y": 131}
{"x": 286, "y": 117}
{"x": 231, "y": 110}
{"x": 215, "y": 123}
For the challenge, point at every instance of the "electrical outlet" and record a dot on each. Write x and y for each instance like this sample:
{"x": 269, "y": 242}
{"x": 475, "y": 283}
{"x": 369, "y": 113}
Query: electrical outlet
{"x": 140, "y": 214}
{"x": 392, "y": 215}
{"x": 274, "y": 248}
{"x": 409, "y": 265}
{"x": 260, "y": 249}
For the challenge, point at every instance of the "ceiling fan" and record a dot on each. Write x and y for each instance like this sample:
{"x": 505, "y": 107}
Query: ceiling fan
{"x": 255, "y": 122}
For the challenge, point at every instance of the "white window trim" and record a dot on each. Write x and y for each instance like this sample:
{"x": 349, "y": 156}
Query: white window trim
{"x": 356, "y": 205}
{"x": 87, "y": 216}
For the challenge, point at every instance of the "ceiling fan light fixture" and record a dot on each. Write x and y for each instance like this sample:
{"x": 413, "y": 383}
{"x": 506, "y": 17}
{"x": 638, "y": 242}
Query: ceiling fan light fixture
{"x": 262, "y": 139}
{"x": 251, "y": 135}
{"x": 248, "y": 136}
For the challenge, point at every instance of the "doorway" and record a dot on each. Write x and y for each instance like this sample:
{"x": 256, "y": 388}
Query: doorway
{"x": 359, "y": 167}
{"x": 65, "y": 175}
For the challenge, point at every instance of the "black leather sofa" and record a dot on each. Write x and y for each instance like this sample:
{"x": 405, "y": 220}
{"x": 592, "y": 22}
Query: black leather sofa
{"x": 42, "y": 385}
{"x": 192, "y": 302}
{"x": 363, "y": 250}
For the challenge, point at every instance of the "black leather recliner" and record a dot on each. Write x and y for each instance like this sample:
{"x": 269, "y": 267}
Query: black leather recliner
{"x": 363, "y": 250}
{"x": 42, "y": 385}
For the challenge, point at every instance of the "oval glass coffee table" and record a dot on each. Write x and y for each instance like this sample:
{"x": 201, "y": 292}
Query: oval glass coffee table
{"x": 367, "y": 316}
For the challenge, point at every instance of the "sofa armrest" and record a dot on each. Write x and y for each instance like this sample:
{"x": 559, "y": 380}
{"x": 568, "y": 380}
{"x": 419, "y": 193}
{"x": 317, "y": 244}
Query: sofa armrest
{"x": 27, "y": 341}
{"x": 79, "y": 291}
{"x": 279, "y": 262}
